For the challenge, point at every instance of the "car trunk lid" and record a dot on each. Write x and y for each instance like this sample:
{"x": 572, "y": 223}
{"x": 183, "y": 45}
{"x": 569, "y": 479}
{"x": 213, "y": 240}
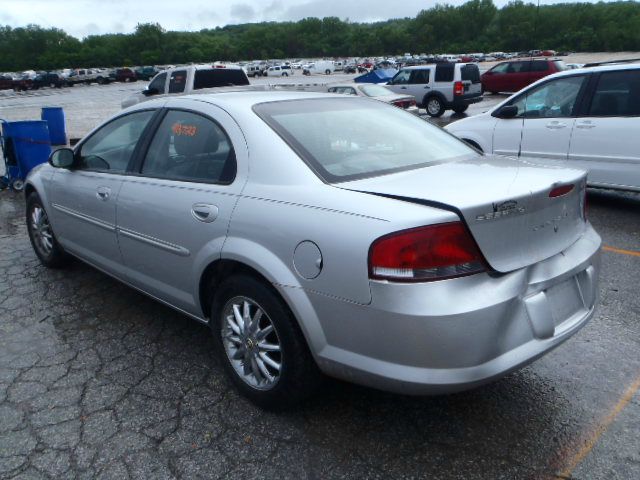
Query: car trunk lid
{"x": 505, "y": 203}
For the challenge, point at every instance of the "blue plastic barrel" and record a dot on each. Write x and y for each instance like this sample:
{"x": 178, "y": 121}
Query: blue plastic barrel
{"x": 30, "y": 143}
{"x": 57, "y": 126}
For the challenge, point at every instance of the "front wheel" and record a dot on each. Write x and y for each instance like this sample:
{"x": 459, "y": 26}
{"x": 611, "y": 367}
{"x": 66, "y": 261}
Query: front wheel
{"x": 434, "y": 106}
{"x": 261, "y": 345}
{"x": 327, "y": 72}
{"x": 41, "y": 235}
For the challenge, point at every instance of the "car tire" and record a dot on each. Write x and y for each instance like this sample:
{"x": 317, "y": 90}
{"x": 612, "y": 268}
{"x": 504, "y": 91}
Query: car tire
{"x": 434, "y": 106}
{"x": 493, "y": 92}
{"x": 266, "y": 385}
{"x": 327, "y": 72}
{"x": 461, "y": 109}
{"x": 41, "y": 235}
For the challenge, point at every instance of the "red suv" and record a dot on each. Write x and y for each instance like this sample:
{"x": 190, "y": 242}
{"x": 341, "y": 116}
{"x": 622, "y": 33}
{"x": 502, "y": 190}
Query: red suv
{"x": 514, "y": 75}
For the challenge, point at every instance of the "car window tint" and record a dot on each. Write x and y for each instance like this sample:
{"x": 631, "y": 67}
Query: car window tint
{"x": 158, "y": 82}
{"x": 500, "y": 68}
{"x": 190, "y": 147}
{"x": 401, "y": 77}
{"x": 444, "y": 72}
{"x": 344, "y": 138}
{"x": 110, "y": 148}
{"x": 617, "y": 94}
{"x": 419, "y": 76}
{"x": 553, "y": 99}
{"x": 219, "y": 77}
{"x": 470, "y": 73}
{"x": 539, "y": 66}
{"x": 177, "y": 81}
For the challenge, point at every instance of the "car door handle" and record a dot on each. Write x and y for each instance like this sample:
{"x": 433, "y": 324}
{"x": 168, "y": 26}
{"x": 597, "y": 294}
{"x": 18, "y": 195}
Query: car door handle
{"x": 556, "y": 125}
{"x": 103, "y": 193}
{"x": 204, "y": 212}
{"x": 585, "y": 125}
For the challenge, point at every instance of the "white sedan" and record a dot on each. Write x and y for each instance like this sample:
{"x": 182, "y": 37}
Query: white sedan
{"x": 587, "y": 118}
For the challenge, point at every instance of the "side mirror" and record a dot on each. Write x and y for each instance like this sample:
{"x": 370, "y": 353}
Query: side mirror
{"x": 147, "y": 92}
{"x": 508, "y": 111}
{"x": 62, "y": 158}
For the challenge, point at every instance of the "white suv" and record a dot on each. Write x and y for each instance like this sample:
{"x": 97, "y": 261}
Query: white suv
{"x": 441, "y": 86}
{"x": 587, "y": 118}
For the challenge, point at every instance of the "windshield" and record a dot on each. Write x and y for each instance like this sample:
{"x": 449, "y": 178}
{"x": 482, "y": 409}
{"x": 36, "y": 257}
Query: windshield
{"x": 349, "y": 138}
{"x": 375, "y": 90}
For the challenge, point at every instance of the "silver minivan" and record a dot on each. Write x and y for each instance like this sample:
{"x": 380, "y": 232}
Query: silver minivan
{"x": 441, "y": 86}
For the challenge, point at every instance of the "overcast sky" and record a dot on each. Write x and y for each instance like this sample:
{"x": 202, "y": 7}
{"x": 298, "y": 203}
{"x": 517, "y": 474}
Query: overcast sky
{"x": 88, "y": 17}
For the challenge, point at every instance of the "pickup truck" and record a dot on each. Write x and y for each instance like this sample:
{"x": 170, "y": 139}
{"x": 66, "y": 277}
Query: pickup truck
{"x": 186, "y": 80}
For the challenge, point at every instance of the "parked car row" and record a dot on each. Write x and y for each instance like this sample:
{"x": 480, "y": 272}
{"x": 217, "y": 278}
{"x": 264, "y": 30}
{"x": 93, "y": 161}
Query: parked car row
{"x": 31, "y": 80}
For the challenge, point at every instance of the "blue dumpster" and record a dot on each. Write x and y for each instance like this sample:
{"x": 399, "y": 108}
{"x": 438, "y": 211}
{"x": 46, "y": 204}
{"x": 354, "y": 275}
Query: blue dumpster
{"x": 57, "y": 127}
{"x": 25, "y": 144}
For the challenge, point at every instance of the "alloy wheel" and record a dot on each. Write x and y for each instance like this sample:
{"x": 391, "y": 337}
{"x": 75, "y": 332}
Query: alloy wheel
{"x": 433, "y": 106}
{"x": 251, "y": 343}
{"x": 41, "y": 230}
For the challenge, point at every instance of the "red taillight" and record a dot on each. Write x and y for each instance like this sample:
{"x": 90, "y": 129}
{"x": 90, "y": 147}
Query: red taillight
{"x": 560, "y": 191}
{"x": 458, "y": 88}
{"x": 435, "y": 252}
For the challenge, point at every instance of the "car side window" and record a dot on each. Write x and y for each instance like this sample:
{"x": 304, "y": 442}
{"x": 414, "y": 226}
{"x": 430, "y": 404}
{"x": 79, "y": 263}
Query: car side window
{"x": 190, "y": 147}
{"x": 177, "y": 81}
{"x": 402, "y": 77}
{"x": 419, "y": 77}
{"x": 445, "y": 72}
{"x": 500, "y": 68}
{"x": 554, "y": 99}
{"x": 617, "y": 94}
{"x": 158, "y": 83}
{"x": 110, "y": 148}
{"x": 539, "y": 66}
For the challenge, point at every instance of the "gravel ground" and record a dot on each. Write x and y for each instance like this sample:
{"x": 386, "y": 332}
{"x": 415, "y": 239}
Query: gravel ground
{"x": 98, "y": 381}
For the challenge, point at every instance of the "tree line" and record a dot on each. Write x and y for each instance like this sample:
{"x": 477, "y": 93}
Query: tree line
{"x": 475, "y": 26}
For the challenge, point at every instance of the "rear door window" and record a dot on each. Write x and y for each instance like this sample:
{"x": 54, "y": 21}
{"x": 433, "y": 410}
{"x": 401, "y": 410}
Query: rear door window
{"x": 444, "y": 72}
{"x": 539, "y": 66}
{"x": 617, "y": 94}
{"x": 177, "y": 81}
{"x": 419, "y": 76}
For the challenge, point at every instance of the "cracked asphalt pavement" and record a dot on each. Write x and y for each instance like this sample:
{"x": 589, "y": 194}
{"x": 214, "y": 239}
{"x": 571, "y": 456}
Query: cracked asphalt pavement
{"x": 99, "y": 381}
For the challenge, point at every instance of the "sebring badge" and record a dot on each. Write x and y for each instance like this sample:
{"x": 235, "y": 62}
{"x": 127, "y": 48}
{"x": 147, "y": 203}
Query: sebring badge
{"x": 503, "y": 209}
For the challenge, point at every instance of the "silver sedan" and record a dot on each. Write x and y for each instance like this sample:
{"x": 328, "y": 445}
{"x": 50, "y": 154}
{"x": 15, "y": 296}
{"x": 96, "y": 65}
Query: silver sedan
{"x": 378, "y": 92}
{"x": 319, "y": 233}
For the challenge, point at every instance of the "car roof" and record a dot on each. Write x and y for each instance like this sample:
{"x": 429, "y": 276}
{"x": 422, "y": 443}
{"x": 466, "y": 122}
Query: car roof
{"x": 601, "y": 68}
{"x": 245, "y": 99}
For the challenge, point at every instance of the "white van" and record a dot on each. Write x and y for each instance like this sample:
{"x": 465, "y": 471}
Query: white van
{"x": 321, "y": 66}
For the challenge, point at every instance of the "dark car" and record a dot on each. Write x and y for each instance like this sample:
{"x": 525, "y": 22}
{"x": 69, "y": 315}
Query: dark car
{"x": 146, "y": 73}
{"x": 514, "y": 75}
{"x": 123, "y": 75}
{"x": 6, "y": 82}
{"x": 23, "y": 83}
{"x": 52, "y": 80}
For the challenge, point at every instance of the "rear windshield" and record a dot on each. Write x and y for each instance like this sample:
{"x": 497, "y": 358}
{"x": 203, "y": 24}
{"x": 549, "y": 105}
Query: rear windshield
{"x": 219, "y": 77}
{"x": 470, "y": 73}
{"x": 560, "y": 65}
{"x": 375, "y": 90}
{"x": 346, "y": 138}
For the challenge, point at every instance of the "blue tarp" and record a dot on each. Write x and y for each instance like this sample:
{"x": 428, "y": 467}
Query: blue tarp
{"x": 376, "y": 76}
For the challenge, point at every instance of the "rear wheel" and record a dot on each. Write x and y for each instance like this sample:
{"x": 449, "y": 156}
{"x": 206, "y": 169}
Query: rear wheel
{"x": 327, "y": 72}
{"x": 434, "y": 106}
{"x": 461, "y": 109}
{"x": 41, "y": 235}
{"x": 261, "y": 345}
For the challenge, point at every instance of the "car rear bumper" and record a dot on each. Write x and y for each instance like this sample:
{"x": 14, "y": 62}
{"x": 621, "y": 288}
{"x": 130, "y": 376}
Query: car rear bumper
{"x": 447, "y": 336}
{"x": 465, "y": 100}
